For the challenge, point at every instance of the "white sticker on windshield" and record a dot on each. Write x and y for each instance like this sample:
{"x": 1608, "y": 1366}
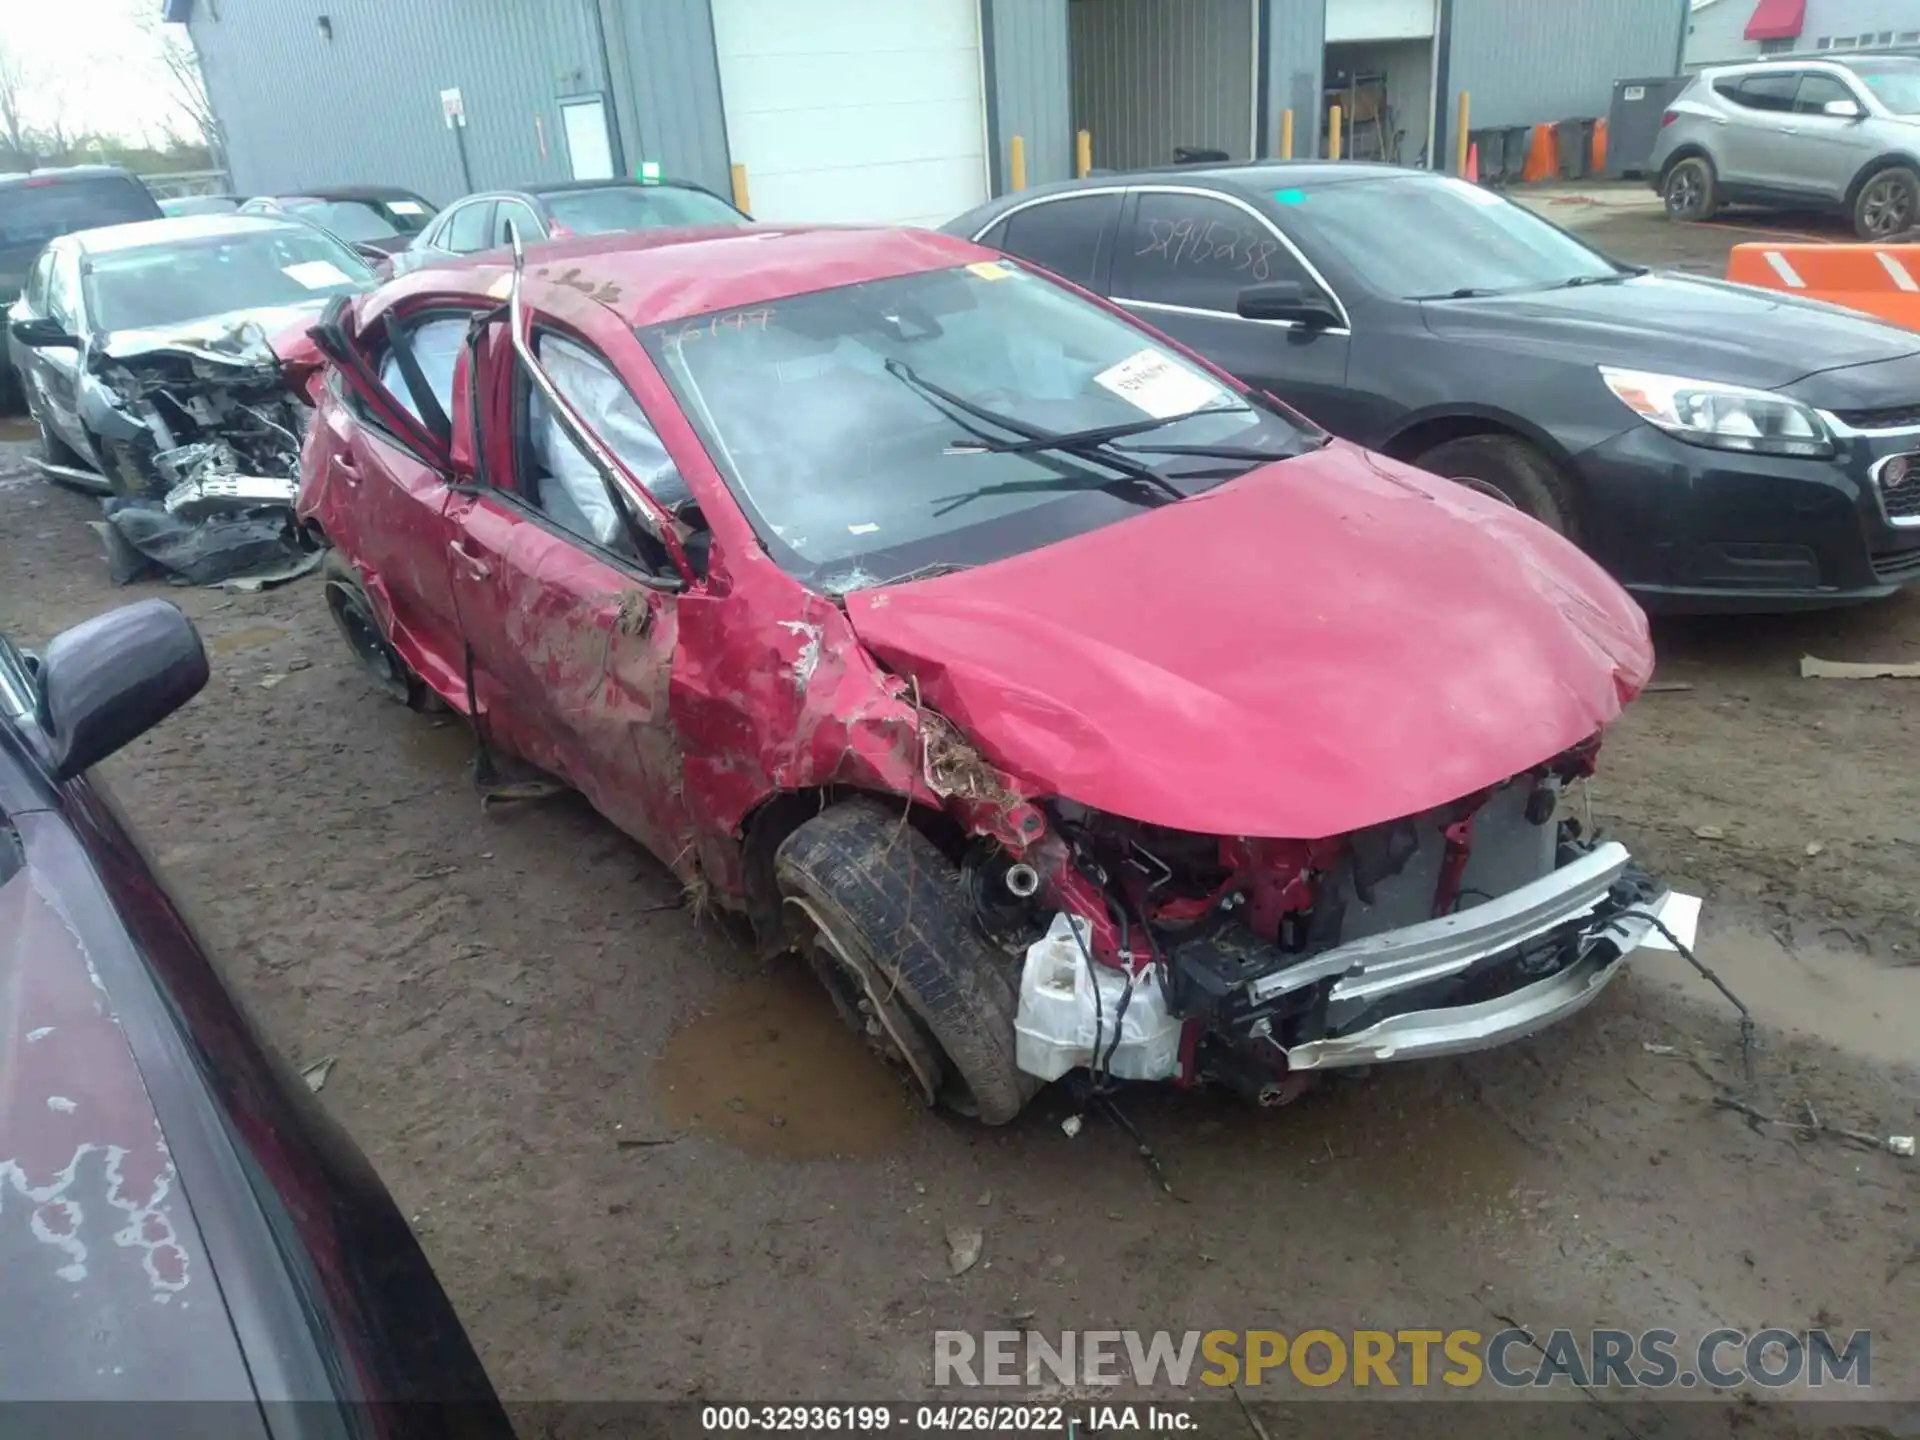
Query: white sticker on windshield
{"x": 406, "y": 207}
{"x": 316, "y": 274}
{"x": 867, "y": 529}
{"x": 1153, "y": 381}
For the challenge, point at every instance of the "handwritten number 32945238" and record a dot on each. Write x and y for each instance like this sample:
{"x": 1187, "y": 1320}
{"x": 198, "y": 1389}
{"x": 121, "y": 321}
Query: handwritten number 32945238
{"x": 1192, "y": 242}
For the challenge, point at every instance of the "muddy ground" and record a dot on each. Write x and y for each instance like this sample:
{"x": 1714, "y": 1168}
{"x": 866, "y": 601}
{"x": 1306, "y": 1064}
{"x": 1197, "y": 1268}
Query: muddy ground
{"x": 511, "y": 997}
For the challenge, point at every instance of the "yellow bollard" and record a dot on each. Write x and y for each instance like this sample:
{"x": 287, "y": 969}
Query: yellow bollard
{"x": 1333, "y": 133}
{"x": 740, "y": 198}
{"x": 1286, "y": 134}
{"x": 1018, "y": 147}
{"x": 1083, "y": 154}
{"x": 1460, "y": 140}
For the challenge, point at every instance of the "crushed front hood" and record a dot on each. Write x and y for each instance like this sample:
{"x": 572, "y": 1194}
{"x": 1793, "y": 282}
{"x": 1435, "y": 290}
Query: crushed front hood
{"x": 1324, "y": 644}
{"x": 240, "y": 338}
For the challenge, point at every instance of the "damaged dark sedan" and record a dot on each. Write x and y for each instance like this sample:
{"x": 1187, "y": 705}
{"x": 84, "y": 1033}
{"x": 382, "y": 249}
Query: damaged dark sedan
{"x": 145, "y": 350}
{"x": 146, "y": 355}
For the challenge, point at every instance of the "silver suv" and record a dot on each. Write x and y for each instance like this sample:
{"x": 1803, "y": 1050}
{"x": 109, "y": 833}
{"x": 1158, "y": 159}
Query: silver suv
{"x": 1832, "y": 134}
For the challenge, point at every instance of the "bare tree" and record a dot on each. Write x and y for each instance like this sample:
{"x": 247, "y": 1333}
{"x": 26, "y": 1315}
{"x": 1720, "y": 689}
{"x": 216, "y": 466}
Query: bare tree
{"x": 186, "y": 86}
{"x": 13, "y": 94}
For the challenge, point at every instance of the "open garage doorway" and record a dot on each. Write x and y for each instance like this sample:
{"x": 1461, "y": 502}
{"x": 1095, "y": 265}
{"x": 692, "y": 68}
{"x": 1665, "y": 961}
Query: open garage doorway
{"x": 1379, "y": 69}
{"x": 1156, "y": 80}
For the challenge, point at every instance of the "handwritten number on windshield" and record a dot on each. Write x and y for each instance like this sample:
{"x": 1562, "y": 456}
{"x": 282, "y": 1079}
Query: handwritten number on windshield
{"x": 1193, "y": 242}
{"x": 736, "y": 320}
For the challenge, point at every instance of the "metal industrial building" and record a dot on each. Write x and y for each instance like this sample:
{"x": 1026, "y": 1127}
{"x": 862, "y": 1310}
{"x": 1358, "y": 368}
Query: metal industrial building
{"x": 878, "y": 110}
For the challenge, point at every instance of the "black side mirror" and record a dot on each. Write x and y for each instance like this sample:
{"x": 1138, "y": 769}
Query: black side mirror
{"x": 111, "y": 679}
{"x": 1287, "y": 300}
{"x": 43, "y": 333}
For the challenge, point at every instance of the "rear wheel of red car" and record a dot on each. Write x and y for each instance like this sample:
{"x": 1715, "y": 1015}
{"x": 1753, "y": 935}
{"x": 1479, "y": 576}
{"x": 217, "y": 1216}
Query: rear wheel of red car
{"x": 1691, "y": 190}
{"x": 1506, "y": 468}
{"x": 353, "y": 616}
{"x": 877, "y": 911}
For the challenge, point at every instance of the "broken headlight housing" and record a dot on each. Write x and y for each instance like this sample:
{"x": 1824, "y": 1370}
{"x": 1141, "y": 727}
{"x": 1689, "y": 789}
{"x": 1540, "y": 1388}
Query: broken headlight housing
{"x": 1725, "y": 417}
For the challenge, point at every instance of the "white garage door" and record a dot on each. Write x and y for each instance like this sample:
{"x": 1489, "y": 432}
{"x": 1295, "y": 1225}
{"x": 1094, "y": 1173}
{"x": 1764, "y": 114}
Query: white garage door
{"x": 855, "y": 110}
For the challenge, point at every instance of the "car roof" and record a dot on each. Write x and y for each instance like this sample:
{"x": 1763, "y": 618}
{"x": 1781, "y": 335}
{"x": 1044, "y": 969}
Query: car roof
{"x": 1240, "y": 176}
{"x": 649, "y": 277}
{"x": 350, "y": 192}
{"x": 56, "y": 174}
{"x": 104, "y": 239}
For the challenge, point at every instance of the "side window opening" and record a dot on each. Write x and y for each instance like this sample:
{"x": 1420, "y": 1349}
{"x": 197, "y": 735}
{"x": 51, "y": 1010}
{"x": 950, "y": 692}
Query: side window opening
{"x": 1197, "y": 252}
{"x": 558, "y": 479}
{"x": 436, "y": 343}
{"x": 467, "y": 228}
{"x": 1063, "y": 235}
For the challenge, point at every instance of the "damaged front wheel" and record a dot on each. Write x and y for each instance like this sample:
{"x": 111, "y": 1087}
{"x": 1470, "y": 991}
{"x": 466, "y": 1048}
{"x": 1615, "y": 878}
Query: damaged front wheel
{"x": 877, "y": 910}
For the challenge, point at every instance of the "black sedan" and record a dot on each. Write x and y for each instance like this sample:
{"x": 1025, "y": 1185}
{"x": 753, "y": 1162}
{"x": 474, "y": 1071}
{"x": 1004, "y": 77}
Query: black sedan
{"x": 179, "y": 1220}
{"x": 376, "y": 220}
{"x": 1716, "y": 447}
{"x": 479, "y": 222}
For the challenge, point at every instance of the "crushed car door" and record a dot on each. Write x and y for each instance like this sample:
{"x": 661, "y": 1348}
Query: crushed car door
{"x": 567, "y": 600}
{"x": 388, "y": 456}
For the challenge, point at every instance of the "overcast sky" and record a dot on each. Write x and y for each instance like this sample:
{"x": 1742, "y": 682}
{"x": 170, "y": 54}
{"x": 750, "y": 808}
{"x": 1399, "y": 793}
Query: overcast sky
{"x": 89, "y": 62}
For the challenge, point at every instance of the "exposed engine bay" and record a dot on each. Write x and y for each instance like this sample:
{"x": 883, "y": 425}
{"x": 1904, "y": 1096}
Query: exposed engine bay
{"x": 1154, "y": 954}
{"x": 203, "y": 437}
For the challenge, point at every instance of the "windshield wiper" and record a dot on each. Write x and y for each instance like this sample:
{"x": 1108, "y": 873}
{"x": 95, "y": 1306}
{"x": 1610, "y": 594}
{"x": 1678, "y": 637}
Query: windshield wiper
{"x": 1625, "y": 272}
{"x": 1465, "y": 292}
{"x": 1068, "y": 443}
{"x": 1101, "y": 434}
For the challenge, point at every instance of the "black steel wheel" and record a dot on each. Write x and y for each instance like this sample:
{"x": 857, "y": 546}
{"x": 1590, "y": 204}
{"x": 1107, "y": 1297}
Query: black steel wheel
{"x": 353, "y": 616}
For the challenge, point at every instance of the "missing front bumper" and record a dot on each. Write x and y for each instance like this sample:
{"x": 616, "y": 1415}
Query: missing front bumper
{"x": 1468, "y": 981}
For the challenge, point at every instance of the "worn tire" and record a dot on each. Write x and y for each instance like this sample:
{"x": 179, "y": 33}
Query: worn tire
{"x": 889, "y": 897}
{"x": 363, "y": 636}
{"x": 1508, "y": 466}
{"x": 1690, "y": 190}
{"x": 1887, "y": 205}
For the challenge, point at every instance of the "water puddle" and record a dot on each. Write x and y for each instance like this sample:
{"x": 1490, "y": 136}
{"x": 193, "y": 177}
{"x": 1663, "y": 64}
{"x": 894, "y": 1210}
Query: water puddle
{"x": 771, "y": 1069}
{"x": 1849, "y": 1000}
{"x": 251, "y": 637}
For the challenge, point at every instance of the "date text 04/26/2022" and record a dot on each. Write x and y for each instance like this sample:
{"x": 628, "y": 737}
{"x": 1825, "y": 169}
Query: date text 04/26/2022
{"x": 945, "y": 1419}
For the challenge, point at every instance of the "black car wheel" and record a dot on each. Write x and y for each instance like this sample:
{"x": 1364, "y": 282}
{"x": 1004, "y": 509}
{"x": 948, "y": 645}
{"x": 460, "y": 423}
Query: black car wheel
{"x": 877, "y": 910}
{"x": 1887, "y": 205}
{"x": 1509, "y": 469}
{"x": 353, "y": 616}
{"x": 1691, "y": 190}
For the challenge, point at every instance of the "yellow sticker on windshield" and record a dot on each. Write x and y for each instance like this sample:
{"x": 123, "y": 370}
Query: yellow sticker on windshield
{"x": 990, "y": 269}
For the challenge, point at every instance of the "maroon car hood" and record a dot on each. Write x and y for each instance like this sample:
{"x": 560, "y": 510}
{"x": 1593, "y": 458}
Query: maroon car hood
{"x": 1321, "y": 645}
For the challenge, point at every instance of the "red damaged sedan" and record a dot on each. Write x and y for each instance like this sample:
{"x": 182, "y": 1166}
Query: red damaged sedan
{"x": 1065, "y": 704}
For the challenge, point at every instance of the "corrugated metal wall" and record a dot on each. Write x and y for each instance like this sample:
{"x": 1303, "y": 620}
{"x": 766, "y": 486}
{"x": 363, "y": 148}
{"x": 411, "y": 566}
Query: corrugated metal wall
{"x": 673, "y": 87}
{"x": 1027, "y": 68}
{"x": 1524, "y": 62}
{"x": 1148, "y": 75}
{"x": 302, "y": 109}
{"x": 1296, "y": 40}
